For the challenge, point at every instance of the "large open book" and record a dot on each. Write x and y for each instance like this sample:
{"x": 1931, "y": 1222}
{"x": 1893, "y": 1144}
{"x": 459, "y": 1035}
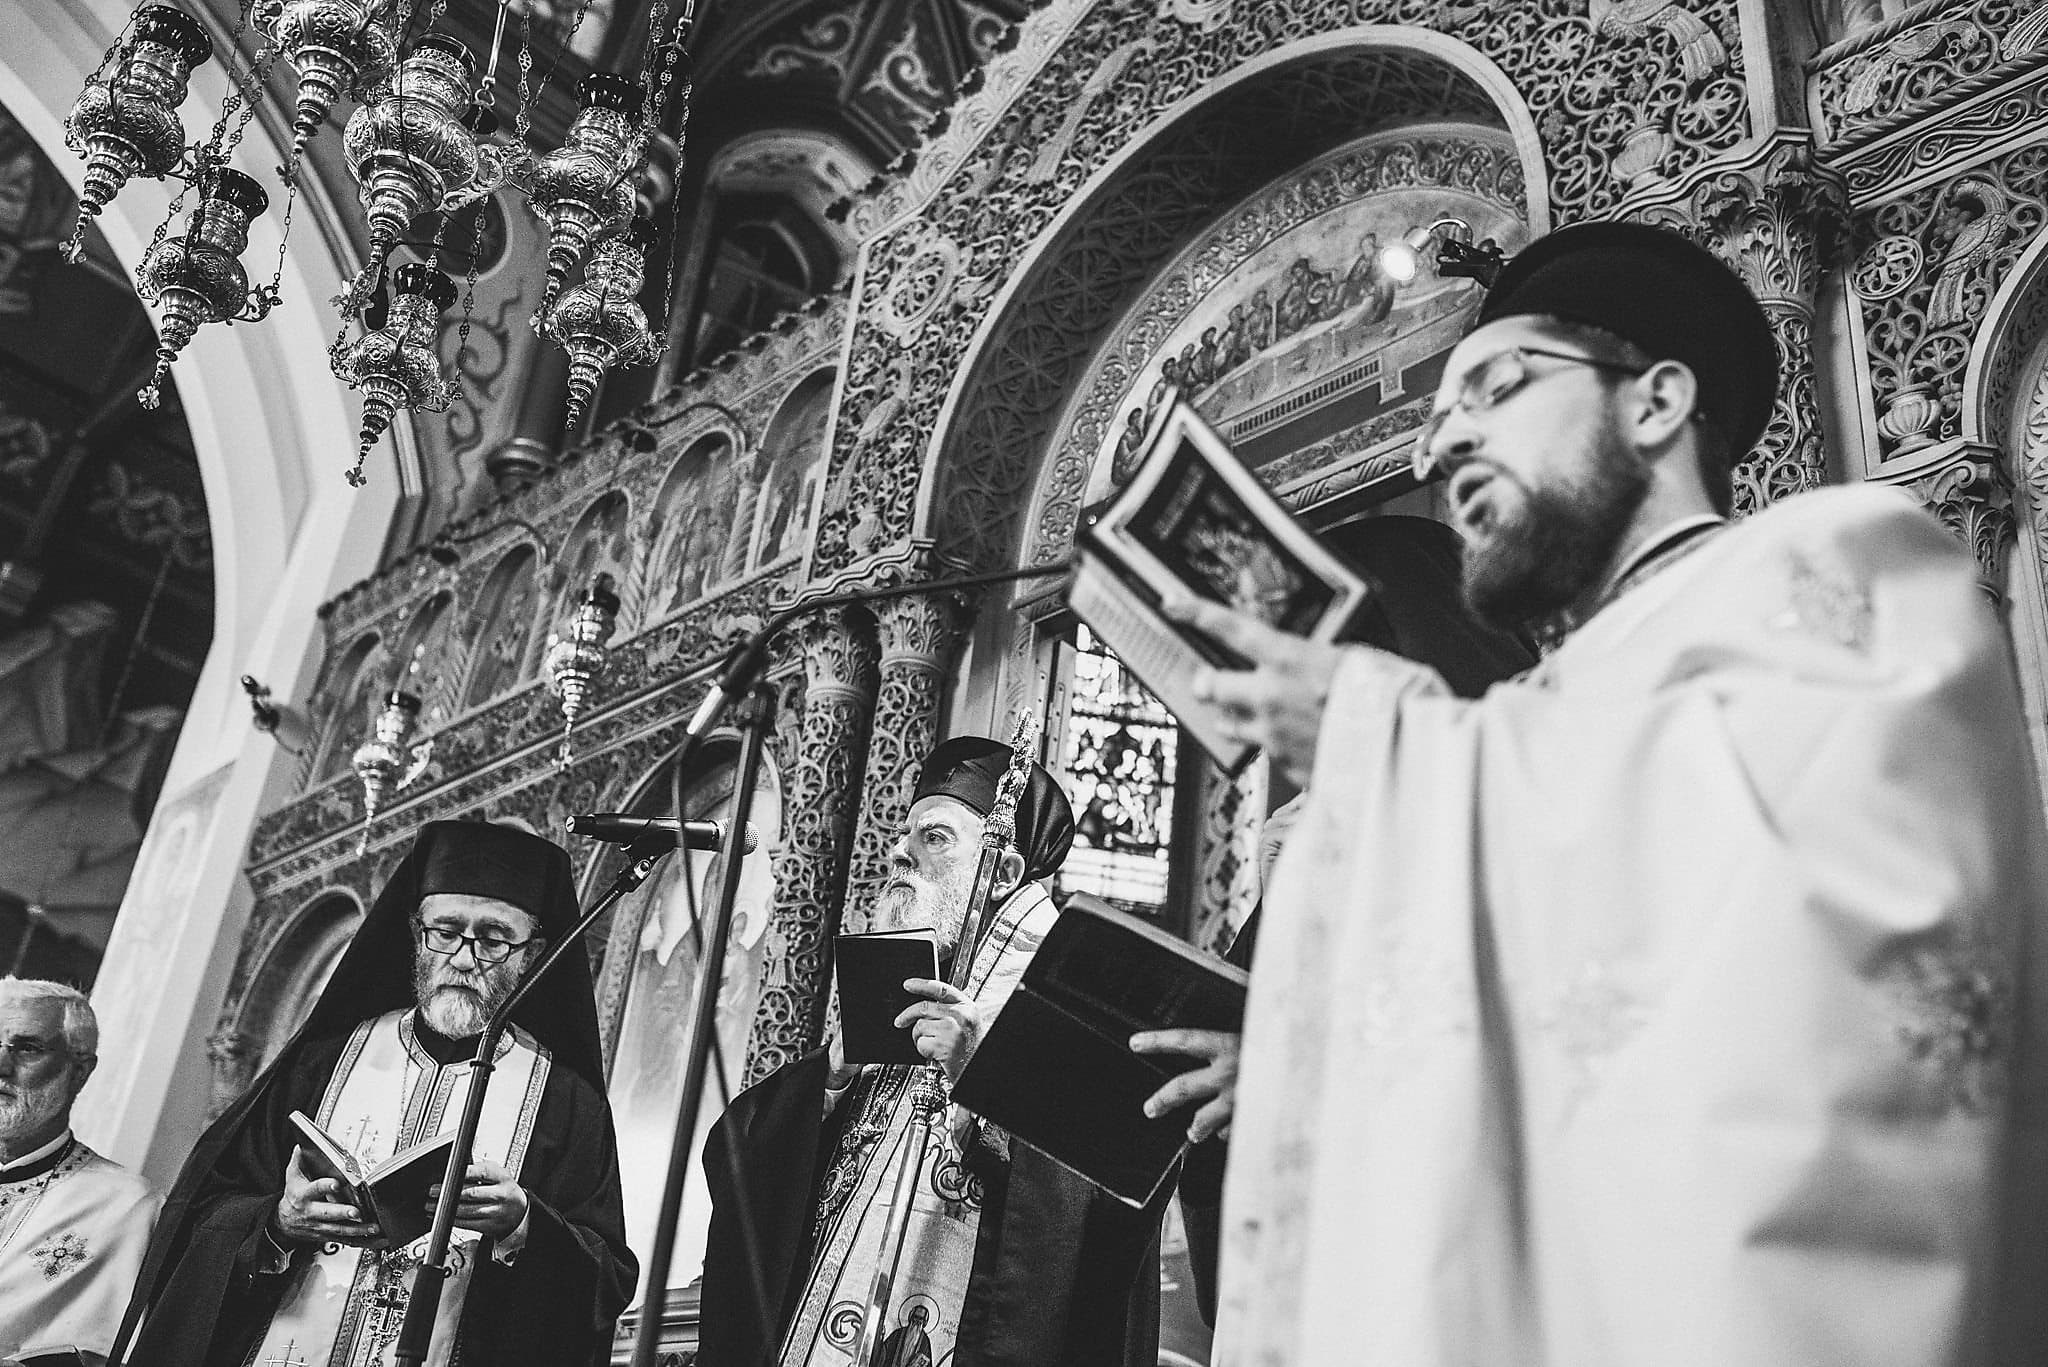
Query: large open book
{"x": 1055, "y": 1068}
{"x": 391, "y": 1194}
{"x": 870, "y": 969}
{"x": 1194, "y": 521}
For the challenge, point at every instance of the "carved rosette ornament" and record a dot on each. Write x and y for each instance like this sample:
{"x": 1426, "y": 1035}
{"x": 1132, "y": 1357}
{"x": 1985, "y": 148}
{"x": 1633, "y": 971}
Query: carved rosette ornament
{"x": 1966, "y": 485}
{"x": 1773, "y": 215}
{"x": 920, "y": 637}
{"x": 128, "y": 125}
{"x": 820, "y": 796}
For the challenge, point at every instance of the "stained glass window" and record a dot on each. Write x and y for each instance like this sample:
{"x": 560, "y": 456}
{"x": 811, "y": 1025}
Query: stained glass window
{"x": 1120, "y": 756}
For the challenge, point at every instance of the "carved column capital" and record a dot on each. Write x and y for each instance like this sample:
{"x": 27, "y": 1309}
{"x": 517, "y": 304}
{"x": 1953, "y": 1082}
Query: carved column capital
{"x": 1967, "y": 486}
{"x": 1775, "y": 216}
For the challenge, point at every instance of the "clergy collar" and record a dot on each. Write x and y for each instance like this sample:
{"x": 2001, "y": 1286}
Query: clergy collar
{"x": 30, "y": 1166}
{"x": 1687, "y": 533}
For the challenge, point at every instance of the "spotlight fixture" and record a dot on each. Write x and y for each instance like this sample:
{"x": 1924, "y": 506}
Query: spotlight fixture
{"x": 1456, "y": 254}
{"x": 261, "y": 709}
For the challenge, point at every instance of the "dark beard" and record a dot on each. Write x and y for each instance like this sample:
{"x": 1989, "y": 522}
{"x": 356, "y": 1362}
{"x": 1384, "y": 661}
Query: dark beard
{"x": 1540, "y": 564}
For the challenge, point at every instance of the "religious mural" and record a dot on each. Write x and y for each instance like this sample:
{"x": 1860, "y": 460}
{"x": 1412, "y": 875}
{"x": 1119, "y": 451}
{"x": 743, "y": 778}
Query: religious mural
{"x": 791, "y": 462}
{"x": 647, "y": 995}
{"x": 601, "y": 543}
{"x": 694, "y": 528}
{"x": 505, "y": 620}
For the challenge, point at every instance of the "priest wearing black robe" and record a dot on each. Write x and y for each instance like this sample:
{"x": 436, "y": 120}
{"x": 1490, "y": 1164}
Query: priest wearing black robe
{"x": 253, "y": 1256}
{"x": 1009, "y": 1260}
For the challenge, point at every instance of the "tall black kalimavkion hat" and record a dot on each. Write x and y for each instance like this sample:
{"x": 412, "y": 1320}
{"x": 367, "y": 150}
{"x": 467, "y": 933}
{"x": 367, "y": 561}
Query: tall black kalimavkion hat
{"x": 969, "y": 768}
{"x": 1666, "y": 294}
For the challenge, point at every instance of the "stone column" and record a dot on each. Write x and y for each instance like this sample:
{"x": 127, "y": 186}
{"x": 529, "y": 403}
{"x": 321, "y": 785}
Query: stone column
{"x": 920, "y": 637}
{"x": 1966, "y": 485}
{"x": 1772, "y": 215}
{"x": 820, "y": 797}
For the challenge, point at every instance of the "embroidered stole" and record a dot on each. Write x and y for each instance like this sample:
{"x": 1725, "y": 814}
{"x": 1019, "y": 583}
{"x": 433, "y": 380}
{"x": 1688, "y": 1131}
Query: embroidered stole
{"x": 945, "y": 1209}
{"x": 344, "y": 1308}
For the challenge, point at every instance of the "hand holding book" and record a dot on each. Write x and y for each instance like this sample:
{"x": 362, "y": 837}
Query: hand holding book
{"x": 1276, "y": 705}
{"x": 1211, "y": 1081}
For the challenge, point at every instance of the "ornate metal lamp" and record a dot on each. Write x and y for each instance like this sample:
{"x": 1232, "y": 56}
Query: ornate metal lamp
{"x": 128, "y": 125}
{"x": 399, "y": 365}
{"x": 197, "y": 277}
{"x": 408, "y": 147}
{"x": 338, "y": 47}
{"x": 583, "y": 188}
{"x": 575, "y": 660}
{"x": 382, "y": 761}
{"x": 600, "y": 322}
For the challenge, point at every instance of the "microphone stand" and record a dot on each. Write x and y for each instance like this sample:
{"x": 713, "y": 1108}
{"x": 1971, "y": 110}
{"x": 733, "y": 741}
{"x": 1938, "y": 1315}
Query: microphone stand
{"x": 740, "y": 677}
{"x": 423, "y": 1308}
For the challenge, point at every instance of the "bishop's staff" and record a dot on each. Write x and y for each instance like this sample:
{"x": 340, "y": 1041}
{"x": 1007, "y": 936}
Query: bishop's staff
{"x": 998, "y": 834}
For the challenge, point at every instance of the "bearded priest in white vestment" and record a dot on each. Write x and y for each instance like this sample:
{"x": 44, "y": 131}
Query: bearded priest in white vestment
{"x": 1677, "y": 1004}
{"x": 73, "y": 1225}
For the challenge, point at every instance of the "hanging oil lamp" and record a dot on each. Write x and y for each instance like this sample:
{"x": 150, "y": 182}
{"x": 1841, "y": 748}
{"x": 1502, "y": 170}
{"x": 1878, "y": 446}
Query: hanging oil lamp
{"x": 197, "y": 277}
{"x": 380, "y": 762}
{"x": 600, "y": 322}
{"x": 575, "y": 659}
{"x": 582, "y": 188}
{"x": 408, "y": 147}
{"x": 128, "y": 125}
{"x": 338, "y": 47}
{"x": 398, "y": 366}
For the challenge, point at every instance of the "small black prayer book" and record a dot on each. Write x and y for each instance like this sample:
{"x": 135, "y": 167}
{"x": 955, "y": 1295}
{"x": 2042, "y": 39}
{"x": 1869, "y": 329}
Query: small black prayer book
{"x": 870, "y": 969}
{"x": 391, "y": 1194}
{"x": 1055, "y": 1068}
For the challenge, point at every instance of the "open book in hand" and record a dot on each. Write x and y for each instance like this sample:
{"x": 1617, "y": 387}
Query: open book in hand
{"x": 1194, "y": 522}
{"x": 391, "y": 1194}
{"x": 870, "y": 969}
{"x": 1055, "y": 1068}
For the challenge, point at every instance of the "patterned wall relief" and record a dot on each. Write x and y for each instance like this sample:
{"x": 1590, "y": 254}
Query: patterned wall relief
{"x": 693, "y": 528}
{"x": 646, "y": 992}
{"x": 787, "y": 470}
{"x": 1281, "y": 324}
{"x": 1924, "y": 282}
{"x": 1886, "y": 76}
{"x": 1591, "y": 78}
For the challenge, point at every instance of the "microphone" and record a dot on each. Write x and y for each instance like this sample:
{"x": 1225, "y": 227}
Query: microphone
{"x": 619, "y": 829}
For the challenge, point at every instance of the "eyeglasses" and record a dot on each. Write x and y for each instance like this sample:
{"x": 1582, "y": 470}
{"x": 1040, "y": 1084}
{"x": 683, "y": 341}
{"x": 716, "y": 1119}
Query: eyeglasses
{"x": 488, "y": 949}
{"x": 1492, "y": 383}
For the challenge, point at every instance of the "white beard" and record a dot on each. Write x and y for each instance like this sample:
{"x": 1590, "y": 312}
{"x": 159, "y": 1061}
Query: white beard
{"x": 915, "y": 901}
{"x": 31, "y": 1111}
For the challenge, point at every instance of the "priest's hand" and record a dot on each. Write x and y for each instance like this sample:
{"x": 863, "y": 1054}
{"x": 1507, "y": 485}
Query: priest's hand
{"x": 946, "y": 1025}
{"x": 315, "y": 1210}
{"x": 492, "y": 1203}
{"x": 1214, "y": 1083}
{"x": 1278, "y": 703}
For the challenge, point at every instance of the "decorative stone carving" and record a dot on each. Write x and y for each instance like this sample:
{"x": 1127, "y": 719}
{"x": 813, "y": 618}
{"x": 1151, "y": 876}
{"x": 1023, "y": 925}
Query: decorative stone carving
{"x": 820, "y": 795}
{"x": 1972, "y": 230}
{"x": 920, "y": 636}
{"x": 998, "y": 201}
{"x": 1965, "y": 485}
{"x": 1885, "y": 76}
{"x": 1772, "y": 214}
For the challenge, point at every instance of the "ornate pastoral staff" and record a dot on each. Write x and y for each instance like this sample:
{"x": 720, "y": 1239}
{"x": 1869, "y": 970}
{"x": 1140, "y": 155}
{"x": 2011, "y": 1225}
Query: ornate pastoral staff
{"x": 998, "y": 834}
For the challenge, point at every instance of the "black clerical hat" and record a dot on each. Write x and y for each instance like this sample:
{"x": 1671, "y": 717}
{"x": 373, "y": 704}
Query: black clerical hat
{"x": 969, "y": 768}
{"x": 1669, "y": 296}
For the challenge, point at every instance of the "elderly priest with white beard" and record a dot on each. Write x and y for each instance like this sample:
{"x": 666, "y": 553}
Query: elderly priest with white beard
{"x": 73, "y": 1225}
{"x": 255, "y": 1260}
{"x": 1008, "y": 1260}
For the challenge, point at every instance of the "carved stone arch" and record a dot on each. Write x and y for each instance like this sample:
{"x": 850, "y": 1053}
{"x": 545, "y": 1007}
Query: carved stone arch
{"x": 690, "y": 528}
{"x": 788, "y": 470}
{"x": 645, "y": 986}
{"x": 1191, "y": 165}
{"x": 283, "y": 984}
